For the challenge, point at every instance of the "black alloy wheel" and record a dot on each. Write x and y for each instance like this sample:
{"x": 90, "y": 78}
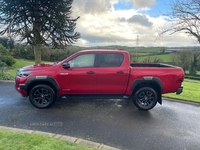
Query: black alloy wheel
{"x": 145, "y": 98}
{"x": 42, "y": 96}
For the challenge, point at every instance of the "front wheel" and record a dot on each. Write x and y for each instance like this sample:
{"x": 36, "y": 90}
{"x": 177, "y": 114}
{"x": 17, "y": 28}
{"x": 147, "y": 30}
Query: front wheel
{"x": 145, "y": 98}
{"x": 42, "y": 96}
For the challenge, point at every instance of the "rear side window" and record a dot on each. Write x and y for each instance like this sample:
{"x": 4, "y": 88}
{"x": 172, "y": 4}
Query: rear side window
{"x": 109, "y": 60}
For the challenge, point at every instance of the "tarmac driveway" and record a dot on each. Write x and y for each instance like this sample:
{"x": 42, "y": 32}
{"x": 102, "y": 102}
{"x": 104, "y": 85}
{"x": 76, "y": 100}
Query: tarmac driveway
{"x": 173, "y": 125}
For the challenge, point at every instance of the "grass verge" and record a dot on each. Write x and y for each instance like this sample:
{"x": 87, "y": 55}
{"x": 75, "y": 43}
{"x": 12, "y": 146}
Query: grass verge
{"x": 25, "y": 141}
{"x": 191, "y": 91}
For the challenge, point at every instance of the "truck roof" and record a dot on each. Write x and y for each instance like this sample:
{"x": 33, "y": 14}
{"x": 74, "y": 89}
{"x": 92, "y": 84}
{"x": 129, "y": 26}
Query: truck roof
{"x": 104, "y": 50}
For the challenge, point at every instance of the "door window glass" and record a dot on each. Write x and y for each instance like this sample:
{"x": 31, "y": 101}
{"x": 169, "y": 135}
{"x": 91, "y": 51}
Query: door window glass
{"x": 109, "y": 60}
{"x": 82, "y": 61}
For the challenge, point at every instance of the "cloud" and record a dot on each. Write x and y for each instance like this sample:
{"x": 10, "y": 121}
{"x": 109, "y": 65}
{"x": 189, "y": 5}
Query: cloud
{"x": 93, "y": 6}
{"x": 103, "y": 28}
{"x": 143, "y": 3}
{"x": 97, "y": 6}
{"x": 139, "y": 19}
{"x": 100, "y": 24}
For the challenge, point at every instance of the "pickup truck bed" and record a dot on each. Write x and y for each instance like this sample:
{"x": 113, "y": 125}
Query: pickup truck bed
{"x": 159, "y": 65}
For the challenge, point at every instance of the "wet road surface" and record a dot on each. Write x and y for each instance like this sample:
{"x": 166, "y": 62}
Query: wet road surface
{"x": 173, "y": 125}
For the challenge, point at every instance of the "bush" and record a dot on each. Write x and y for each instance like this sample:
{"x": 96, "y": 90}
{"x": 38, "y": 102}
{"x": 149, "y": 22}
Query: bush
{"x": 2, "y": 64}
{"x": 3, "y": 50}
{"x": 3, "y": 74}
{"x": 9, "y": 60}
{"x": 6, "y": 76}
{"x": 192, "y": 77}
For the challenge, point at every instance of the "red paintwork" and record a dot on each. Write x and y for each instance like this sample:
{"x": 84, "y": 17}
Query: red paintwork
{"x": 105, "y": 80}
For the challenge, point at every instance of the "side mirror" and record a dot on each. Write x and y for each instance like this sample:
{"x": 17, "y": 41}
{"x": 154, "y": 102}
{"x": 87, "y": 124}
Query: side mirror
{"x": 66, "y": 65}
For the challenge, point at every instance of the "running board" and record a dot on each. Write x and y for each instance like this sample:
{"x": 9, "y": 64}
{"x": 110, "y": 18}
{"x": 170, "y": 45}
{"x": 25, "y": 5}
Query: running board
{"x": 94, "y": 96}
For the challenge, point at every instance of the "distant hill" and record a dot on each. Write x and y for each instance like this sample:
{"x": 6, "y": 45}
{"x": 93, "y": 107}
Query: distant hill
{"x": 138, "y": 49}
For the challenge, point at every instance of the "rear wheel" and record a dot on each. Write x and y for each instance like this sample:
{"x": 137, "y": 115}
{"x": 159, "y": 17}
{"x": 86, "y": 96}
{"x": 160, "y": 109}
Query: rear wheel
{"x": 42, "y": 96}
{"x": 145, "y": 98}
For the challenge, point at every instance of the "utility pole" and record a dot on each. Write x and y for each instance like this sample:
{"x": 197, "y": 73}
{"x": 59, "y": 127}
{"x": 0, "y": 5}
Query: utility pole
{"x": 137, "y": 41}
{"x": 137, "y": 44}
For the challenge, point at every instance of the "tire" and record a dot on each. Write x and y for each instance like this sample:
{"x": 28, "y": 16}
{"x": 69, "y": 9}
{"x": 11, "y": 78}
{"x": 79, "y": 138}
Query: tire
{"x": 145, "y": 98}
{"x": 42, "y": 96}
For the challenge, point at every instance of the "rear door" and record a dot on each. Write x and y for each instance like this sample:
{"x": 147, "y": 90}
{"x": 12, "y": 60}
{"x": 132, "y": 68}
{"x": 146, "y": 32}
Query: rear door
{"x": 112, "y": 77}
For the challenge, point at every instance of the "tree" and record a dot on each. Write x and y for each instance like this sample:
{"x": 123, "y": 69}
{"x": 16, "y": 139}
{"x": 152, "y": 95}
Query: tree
{"x": 8, "y": 43}
{"x": 187, "y": 59}
{"x": 182, "y": 58}
{"x": 195, "y": 57}
{"x": 39, "y": 22}
{"x": 4, "y": 41}
{"x": 11, "y": 44}
{"x": 183, "y": 16}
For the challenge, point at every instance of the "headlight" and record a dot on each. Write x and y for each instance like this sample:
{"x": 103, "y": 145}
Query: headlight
{"x": 23, "y": 73}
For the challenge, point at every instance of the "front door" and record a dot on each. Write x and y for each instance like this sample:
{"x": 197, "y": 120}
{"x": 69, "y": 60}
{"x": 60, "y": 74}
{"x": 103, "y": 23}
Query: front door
{"x": 80, "y": 78}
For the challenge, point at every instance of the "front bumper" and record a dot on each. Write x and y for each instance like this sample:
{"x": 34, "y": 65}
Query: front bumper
{"x": 180, "y": 90}
{"x": 20, "y": 87}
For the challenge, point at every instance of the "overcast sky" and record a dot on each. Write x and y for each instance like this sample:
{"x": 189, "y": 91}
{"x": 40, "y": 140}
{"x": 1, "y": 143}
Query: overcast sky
{"x": 119, "y": 22}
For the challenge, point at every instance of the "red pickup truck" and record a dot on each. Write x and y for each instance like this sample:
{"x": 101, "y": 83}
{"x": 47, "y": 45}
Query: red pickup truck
{"x": 99, "y": 74}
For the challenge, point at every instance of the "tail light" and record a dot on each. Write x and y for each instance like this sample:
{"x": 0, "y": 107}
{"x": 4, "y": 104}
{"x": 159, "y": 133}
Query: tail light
{"x": 181, "y": 78}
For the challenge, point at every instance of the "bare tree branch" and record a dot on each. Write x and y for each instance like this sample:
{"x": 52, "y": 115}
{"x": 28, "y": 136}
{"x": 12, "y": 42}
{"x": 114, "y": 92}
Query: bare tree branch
{"x": 183, "y": 16}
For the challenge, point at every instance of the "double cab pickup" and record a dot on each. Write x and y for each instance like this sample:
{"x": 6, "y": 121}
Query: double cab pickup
{"x": 99, "y": 74}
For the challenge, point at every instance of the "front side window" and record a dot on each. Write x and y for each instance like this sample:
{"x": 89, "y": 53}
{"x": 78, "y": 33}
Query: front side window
{"x": 82, "y": 61}
{"x": 109, "y": 60}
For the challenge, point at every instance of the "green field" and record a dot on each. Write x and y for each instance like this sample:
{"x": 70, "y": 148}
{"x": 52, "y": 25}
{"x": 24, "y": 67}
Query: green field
{"x": 163, "y": 57}
{"x": 149, "y": 49}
